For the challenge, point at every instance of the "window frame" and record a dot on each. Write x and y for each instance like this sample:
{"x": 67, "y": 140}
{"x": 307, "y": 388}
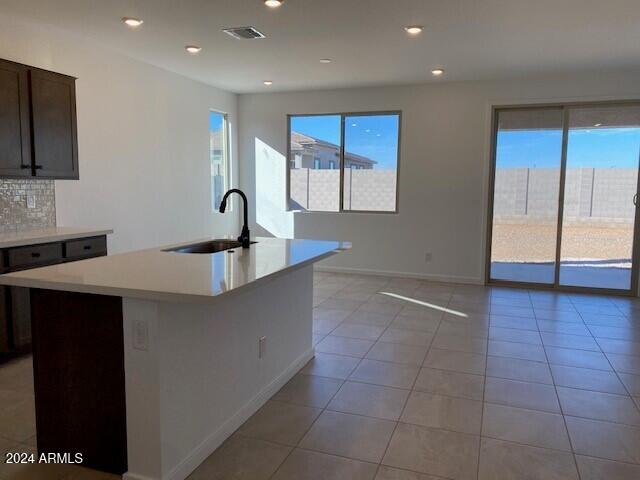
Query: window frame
{"x": 343, "y": 116}
{"x": 226, "y": 155}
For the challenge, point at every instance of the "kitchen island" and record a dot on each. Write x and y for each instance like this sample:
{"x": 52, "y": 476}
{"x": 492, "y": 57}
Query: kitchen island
{"x": 145, "y": 362}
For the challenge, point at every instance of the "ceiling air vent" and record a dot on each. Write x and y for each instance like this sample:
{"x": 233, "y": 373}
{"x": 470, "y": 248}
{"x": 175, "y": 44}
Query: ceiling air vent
{"x": 244, "y": 33}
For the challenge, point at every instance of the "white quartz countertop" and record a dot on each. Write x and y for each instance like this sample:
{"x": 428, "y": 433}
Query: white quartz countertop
{"x": 155, "y": 274}
{"x": 33, "y": 236}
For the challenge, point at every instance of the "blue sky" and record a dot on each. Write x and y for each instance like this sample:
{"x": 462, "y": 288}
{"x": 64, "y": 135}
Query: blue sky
{"x": 375, "y": 137}
{"x": 215, "y": 120}
{"x": 600, "y": 148}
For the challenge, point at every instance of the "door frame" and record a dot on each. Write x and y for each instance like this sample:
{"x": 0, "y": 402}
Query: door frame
{"x": 555, "y": 286}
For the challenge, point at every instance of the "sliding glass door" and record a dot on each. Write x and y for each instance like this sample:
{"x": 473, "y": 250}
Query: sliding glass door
{"x": 599, "y": 194}
{"x": 563, "y": 210}
{"x": 528, "y": 157}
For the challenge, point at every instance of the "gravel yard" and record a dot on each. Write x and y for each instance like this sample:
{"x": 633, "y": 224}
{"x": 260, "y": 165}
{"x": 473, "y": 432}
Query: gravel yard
{"x": 536, "y": 242}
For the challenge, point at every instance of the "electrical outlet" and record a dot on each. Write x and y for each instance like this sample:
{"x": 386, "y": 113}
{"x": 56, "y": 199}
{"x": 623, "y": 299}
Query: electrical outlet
{"x": 427, "y": 257}
{"x": 262, "y": 347}
{"x": 140, "y": 335}
{"x": 31, "y": 201}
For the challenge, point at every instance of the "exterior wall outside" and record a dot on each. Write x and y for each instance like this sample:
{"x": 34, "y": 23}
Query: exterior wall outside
{"x": 370, "y": 190}
{"x": 311, "y": 152}
{"x": 315, "y": 189}
{"x": 327, "y": 191}
{"x": 14, "y": 213}
{"x": 217, "y": 154}
{"x": 322, "y": 153}
{"x": 306, "y": 158}
{"x": 522, "y": 194}
{"x": 591, "y": 194}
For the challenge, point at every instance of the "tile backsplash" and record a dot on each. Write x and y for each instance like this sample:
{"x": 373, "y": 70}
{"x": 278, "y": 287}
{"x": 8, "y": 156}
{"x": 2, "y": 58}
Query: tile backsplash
{"x": 14, "y": 213}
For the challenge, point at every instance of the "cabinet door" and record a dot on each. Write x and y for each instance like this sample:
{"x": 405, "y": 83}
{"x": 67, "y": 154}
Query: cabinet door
{"x": 55, "y": 142}
{"x": 15, "y": 139}
{"x": 4, "y": 321}
{"x": 21, "y": 317}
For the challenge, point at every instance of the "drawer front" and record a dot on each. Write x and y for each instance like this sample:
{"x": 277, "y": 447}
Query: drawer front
{"x": 85, "y": 247}
{"x": 21, "y": 257}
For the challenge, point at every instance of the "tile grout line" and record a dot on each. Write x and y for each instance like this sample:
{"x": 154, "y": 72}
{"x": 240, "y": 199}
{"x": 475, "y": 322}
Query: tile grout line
{"x": 395, "y": 427}
{"x": 412, "y": 389}
{"x": 615, "y": 372}
{"x": 484, "y": 389}
{"x": 564, "y": 418}
{"x": 319, "y": 414}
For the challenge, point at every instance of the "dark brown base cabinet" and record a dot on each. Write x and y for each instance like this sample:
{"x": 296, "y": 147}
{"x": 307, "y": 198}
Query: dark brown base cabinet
{"x": 38, "y": 131}
{"x": 15, "y": 302}
{"x": 79, "y": 379}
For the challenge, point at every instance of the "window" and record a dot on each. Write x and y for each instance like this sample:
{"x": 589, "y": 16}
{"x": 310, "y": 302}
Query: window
{"x": 355, "y": 162}
{"x": 218, "y": 156}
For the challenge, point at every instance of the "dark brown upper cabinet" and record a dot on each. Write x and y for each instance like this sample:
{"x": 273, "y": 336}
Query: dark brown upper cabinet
{"x": 15, "y": 134}
{"x": 38, "y": 131}
{"x": 53, "y": 119}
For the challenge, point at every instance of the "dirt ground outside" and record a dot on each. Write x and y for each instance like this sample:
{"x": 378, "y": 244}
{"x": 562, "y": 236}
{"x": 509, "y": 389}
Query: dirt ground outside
{"x": 537, "y": 242}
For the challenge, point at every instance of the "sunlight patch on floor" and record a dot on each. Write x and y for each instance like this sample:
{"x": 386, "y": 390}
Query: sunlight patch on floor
{"x": 425, "y": 304}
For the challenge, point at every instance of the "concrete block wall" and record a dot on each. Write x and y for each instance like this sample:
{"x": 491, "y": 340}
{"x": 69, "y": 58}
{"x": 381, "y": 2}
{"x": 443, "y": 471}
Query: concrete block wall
{"x": 370, "y": 190}
{"x": 373, "y": 190}
{"x": 591, "y": 194}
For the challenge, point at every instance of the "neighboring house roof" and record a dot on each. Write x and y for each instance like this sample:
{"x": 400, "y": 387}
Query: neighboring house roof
{"x": 300, "y": 141}
{"x": 215, "y": 138}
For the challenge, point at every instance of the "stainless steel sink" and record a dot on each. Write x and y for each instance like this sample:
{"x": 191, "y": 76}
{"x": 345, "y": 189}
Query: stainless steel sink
{"x": 211, "y": 246}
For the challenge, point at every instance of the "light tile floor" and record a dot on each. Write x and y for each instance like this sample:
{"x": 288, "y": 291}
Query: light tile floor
{"x": 437, "y": 381}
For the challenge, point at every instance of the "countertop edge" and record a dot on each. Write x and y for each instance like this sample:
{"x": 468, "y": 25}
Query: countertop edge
{"x": 59, "y": 237}
{"x": 153, "y": 295}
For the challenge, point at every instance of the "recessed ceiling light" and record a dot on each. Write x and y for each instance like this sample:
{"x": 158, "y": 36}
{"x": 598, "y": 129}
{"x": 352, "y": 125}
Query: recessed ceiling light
{"x": 193, "y": 49}
{"x": 414, "y": 29}
{"x": 132, "y": 22}
{"x": 354, "y": 124}
{"x": 273, "y": 3}
{"x": 597, "y": 125}
{"x": 437, "y": 72}
{"x": 325, "y": 60}
{"x": 268, "y": 83}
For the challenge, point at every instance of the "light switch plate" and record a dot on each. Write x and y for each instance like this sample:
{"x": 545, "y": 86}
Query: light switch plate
{"x": 31, "y": 201}
{"x": 140, "y": 335}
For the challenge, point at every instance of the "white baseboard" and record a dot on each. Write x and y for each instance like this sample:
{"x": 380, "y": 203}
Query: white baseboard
{"x": 208, "y": 446}
{"x": 388, "y": 273}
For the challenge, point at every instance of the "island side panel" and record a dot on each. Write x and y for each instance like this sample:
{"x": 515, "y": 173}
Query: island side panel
{"x": 78, "y": 362}
{"x": 203, "y": 364}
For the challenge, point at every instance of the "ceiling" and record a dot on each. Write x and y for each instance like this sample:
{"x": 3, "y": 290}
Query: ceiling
{"x": 471, "y": 39}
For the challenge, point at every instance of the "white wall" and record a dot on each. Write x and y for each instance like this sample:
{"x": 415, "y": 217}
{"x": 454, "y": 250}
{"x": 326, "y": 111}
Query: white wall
{"x": 443, "y": 168}
{"x": 143, "y": 140}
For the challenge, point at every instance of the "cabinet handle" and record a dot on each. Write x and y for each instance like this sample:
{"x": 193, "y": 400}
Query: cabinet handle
{"x": 35, "y": 255}
{"x": 38, "y": 167}
{"x": 87, "y": 247}
{"x": 24, "y": 167}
